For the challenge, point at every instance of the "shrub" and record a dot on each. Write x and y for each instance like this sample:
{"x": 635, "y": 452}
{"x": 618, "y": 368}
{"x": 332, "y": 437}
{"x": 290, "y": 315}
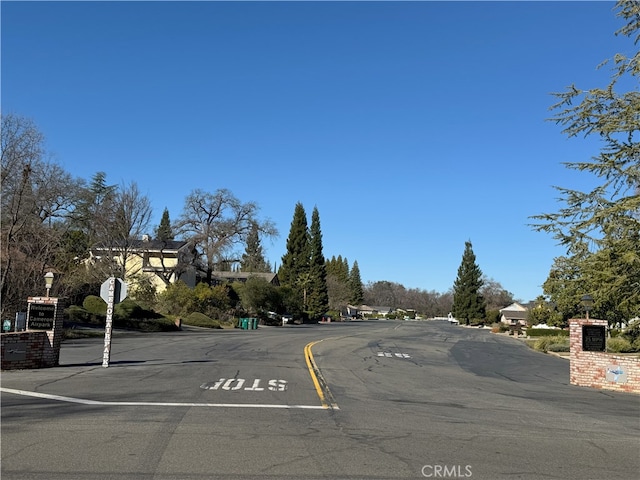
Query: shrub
{"x": 177, "y": 299}
{"x": 544, "y": 332}
{"x": 503, "y": 327}
{"x": 143, "y": 290}
{"x": 492, "y": 316}
{"x": 619, "y": 345}
{"x": 558, "y": 347}
{"x": 197, "y": 319}
{"x": 95, "y": 305}
{"x": 632, "y": 332}
{"x": 148, "y": 325}
{"x": 127, "y": 309}
{"x": 76, "y": 313}
{"x": 543, "y": 343}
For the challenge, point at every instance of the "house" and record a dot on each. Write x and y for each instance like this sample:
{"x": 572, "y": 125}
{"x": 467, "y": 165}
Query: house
{"x": 163, "y": 261}
{"x": 371, "y": 311}
{"x": 515, "y": 314}
{"x": 230, "y": 277}
{"x": 406, "y": 313}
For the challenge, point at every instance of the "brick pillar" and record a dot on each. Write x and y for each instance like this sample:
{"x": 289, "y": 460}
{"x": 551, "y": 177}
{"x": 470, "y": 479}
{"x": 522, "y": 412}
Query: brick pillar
{"x": 581, "y": 370}
{"x": 46, "y": 314}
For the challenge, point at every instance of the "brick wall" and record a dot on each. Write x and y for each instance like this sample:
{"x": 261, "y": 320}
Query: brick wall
{"x": 23, "y": 350}
{"x": 600, "y": 369}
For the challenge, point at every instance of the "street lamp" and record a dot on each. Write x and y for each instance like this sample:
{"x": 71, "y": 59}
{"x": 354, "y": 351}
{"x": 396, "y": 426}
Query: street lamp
{"x": 587, "y": 303}
{"x": 48, "y": 281}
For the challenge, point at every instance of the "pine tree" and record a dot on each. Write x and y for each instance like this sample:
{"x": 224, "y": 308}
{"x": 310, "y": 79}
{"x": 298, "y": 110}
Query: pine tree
{"x": 599, "y": 227}
{"x": 337, "y": 283}
{"x": 344, "y": 269}
{"x": 94, "y": 211}
{"x": 318, "y": 298}
{"x": 253, "y": 258}
{"x": 339, "y": 268}
{"x": 355, "y": 285}
{"x": 296, "y": 261}
{"x": 468, "y": 303}
{"x": 164, "y": 232}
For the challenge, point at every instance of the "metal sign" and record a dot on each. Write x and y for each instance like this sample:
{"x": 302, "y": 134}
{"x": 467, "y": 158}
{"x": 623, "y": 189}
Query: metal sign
{"x": 594, "y": 338}
{"x": 41, "y": 316}
{"x": 21, "y": 321}
{"x": 119, "y": 294}
{"x": 113, "y": 291}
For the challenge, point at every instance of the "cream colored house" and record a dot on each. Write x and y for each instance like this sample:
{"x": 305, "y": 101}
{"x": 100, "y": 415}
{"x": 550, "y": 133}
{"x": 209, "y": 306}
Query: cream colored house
{"x": 514, "y": 314}
{"x": 164, "y": 262}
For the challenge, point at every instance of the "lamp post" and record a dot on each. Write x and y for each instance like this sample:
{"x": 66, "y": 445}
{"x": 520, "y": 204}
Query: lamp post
{"x": 587, "y": 303}
{"x": 48, "y": 281}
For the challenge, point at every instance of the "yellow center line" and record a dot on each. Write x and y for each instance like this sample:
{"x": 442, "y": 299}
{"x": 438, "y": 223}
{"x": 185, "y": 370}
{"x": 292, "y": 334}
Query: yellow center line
{"x": 326, "y": 398}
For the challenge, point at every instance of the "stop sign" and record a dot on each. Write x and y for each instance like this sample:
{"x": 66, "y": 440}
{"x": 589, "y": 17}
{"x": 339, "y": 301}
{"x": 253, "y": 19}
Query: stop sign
{"x": 113, "y": 286}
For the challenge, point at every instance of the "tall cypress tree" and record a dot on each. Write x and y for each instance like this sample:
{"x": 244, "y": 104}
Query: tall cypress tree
{"x": 253, "y": 258}
{"x": 355, "y": 285}
{"x": 296, "y": 261}
{"x": 318, "y": 298}
{"x": 468, "y": 304}
{"x": 164, "y": 232}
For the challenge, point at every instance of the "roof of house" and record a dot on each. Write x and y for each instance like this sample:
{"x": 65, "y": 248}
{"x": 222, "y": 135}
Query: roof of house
{"x": 147, "y": 245}
{"x": 243, "y": 276}
{"x": 374, "y": 308}
{"x": 514, "y": 307}
{"x": 514, "y": 314}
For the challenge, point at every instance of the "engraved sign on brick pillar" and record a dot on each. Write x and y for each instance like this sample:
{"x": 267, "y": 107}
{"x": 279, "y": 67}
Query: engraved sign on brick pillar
{"x": 45, "y": 313}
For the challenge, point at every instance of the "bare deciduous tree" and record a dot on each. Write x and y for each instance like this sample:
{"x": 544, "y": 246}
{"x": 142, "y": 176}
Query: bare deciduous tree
{"x": 216, "y": 223}
{"x": 36, "y": 196}
{"x": 125, "y": 216}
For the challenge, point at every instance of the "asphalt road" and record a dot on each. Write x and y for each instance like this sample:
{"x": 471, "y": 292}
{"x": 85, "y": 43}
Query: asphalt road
{"x": 387, "y": 400}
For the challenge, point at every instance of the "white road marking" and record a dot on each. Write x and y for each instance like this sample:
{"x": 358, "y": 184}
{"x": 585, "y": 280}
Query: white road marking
{"x": 389, "y": 355}
{"x": 154, "y": 404}
{"x": 238, "y": 384}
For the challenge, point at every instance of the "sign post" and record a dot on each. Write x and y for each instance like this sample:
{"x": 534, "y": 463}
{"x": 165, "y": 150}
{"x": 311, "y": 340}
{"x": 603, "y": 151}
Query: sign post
{"x": 112, "y": 291}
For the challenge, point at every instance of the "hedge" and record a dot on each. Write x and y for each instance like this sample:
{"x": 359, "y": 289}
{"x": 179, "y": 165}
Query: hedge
{"x": 546, "y": 332}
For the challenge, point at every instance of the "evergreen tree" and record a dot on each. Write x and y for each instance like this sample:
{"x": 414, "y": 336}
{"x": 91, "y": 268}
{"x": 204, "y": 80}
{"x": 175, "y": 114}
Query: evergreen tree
{"x": 318, "y": 298}
{"x": 253, "y": 258}
{"x": 337, "y": 283}
{"x": 600, "y": 227}
{"x": 95, "y": 209}
{"x": 344, "y": 269}
{"x": 164, "y": 232}
{"x": 296, "y": 261}
{"x": 338, "y": 268}
{"x": 468, "y": 303}
{"x": 355, "y": 285}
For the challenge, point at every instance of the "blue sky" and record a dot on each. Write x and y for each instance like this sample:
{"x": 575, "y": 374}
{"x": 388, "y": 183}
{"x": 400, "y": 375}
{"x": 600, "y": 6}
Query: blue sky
{"x": 412, "y": 126}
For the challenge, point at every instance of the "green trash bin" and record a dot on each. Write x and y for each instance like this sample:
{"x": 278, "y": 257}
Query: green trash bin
{"x": 245, "y": 324}
{"x": 254, "y": 323}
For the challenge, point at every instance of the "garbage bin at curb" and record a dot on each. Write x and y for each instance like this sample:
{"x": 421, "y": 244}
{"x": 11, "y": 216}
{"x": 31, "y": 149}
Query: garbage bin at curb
{"x": 254, "y": 325}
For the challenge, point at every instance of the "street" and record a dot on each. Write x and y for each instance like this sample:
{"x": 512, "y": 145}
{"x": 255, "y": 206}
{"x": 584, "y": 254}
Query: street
{"x": 391, "y": 400}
